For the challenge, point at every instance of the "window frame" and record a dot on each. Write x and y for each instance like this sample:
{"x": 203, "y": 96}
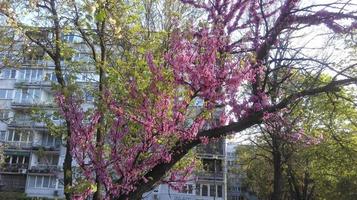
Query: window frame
{"x": 8, "y": 74}
{"x": 8, "y": 94}
{"x": 34, "y": 180}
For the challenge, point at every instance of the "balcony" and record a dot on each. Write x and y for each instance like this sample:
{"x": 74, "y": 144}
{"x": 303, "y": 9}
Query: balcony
{"x": 27, "y": 124}
{"x": 211, "y": 150}
{"x": 47, "y": 148}
{"x": 44, "y": 169}
{"x": 210, "y": 176}
{"x": 34, "y": 62}
{"x": 208, "y": 155}
{"x": 14, "y": 168}
{"x": 31, "y": 104}
{"x": 35, "y": 84}
{"x": 18, "y": 145}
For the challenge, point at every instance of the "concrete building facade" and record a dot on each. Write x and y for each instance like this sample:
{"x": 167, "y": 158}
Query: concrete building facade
{"x": 33, "y": 157}
{"x": 209, "y": 183}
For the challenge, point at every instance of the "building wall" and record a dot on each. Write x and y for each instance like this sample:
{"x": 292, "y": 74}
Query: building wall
{"x": 209, "y": 183}
{"x": 234, "y": 189}
{"x": 27, "y": 137}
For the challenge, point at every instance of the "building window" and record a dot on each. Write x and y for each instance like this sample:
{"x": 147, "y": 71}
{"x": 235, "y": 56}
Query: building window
{"x": 4, "y": 115}
{"x": 50, "y": 159}
{"x": 89, "y": 97}
{"x": 49, "y": 140}
{"x": 187, "y": 189}
{"x": 211, "y": 165}
{"x": 219, "y": 191}
{"x": 212, "y": 190}
{"x": 156, "y": 197}
{"x": 17, "y": 159}
{"x": 6, "y": 94}
{"x": 42, "y": 182}
{"x": 30, "y": 75}
{"x": 198, "y": 189}
{"x": 19, "y": 136}
{"x": 39, "y": 182}
{"x": 68, "y": 38}
{"x": 8, "y": 74}
{"x": 60, "y": 183}
{"x": 50, "y": 77}
{"x": 87, "y": 77}
{"x": 190, "y": 189}
{"x": 2, "y": 135}
{"x": 27, "y": 95}
{"x": 204, "y": 190}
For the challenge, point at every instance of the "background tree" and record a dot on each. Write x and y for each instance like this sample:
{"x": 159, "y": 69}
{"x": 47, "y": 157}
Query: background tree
{"x": 307, "y": 171}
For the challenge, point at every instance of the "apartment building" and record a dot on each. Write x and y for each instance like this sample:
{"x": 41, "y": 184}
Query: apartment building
{"x": 33, "y": 157}
{"x": 208, "y": 183}
{"x": 235, "y": 190}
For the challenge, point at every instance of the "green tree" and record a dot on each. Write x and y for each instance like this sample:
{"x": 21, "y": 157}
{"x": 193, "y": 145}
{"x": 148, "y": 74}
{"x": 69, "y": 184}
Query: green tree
{"x": 309, "y": 171}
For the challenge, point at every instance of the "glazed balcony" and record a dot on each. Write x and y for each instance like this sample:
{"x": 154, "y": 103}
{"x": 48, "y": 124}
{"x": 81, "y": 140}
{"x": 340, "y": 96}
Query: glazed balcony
{"x": 53, "y": 145}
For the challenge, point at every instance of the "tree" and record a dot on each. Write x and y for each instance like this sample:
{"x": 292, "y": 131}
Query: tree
{"x": 306, "y": 171}
{"x": 203, "y": 62}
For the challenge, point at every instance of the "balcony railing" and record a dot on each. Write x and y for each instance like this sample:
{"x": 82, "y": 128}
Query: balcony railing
{"x": 43, "y": 168}
{"x": 211, "y": 148}
{"x": 204, "y": 175}
{"x": 14, "y": 168}
{"x": 210, "y": 155}
{"x": 27, "y": 83}
{"x": 27, "y": 123}
{"x": 18, "y": 145}
{"x": 29, "y": 104}
{"x": 46, "y": 147}
{"x": 38, "y": 62}
{"x": 32, "y": 145}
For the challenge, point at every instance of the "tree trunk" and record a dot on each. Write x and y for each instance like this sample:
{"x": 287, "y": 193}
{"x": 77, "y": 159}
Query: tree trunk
{"x": 67, "y": 166}
{"x": 102, "y": 85}
{"x": 277, "y": 182}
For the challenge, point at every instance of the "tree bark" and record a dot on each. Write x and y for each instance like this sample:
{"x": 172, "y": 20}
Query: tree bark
{"x": 277, "y": 181}
{"x": 67, "y": 166}
{"x": 102, "y": 85}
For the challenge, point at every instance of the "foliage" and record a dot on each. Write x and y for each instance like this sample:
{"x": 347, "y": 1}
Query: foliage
{"x": 327, "y": 169}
